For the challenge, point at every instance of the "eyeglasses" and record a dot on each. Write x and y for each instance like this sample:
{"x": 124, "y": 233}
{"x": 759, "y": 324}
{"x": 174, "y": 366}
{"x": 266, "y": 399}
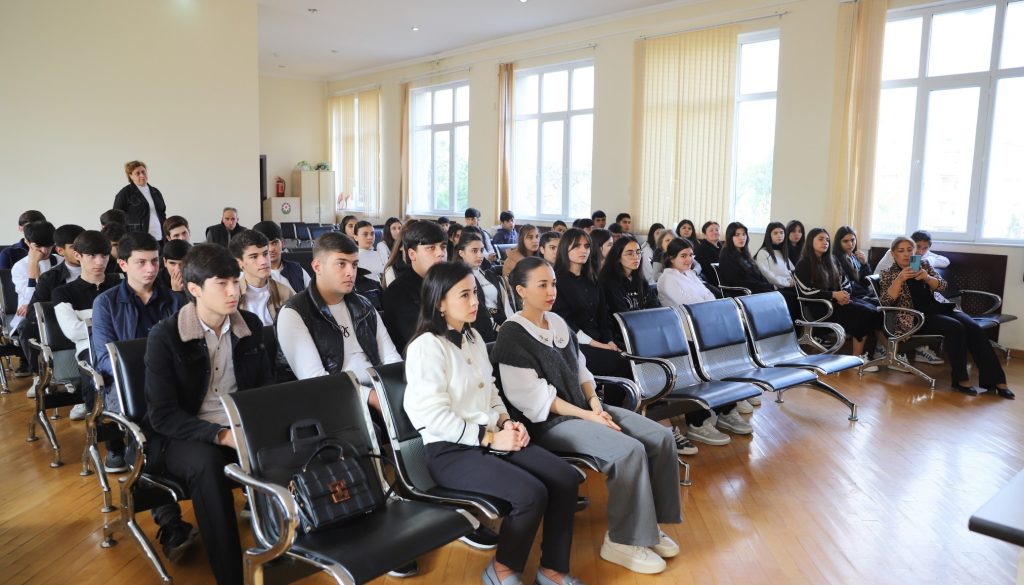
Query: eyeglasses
{"x": 631, "y": 253}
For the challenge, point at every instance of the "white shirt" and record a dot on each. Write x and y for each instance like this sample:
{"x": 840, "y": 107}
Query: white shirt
{"x": 777, "y": 273}
{"x": 299, "y": 349}
{"x": 154, "y": 222}
{"x": 75, "y": 325}
{"x": 257, "y": 300}
{"x": 19, "y": 274}
{"x": 384, "y": 251}
{"x": 370, "y": 260}
{"x": 682, "y": 288}
{"x": 933, "y": 259}
{"x": 490, "y": 291}
{"x": 451, "y": 390}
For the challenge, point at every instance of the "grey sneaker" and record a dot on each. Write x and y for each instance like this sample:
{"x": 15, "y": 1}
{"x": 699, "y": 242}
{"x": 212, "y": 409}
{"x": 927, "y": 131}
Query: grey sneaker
{"x": 744, "y": 407}
{"x": 754, "y": 400}
{"x": 405, "y": 570}
{"x": 926, "y": 355}
{"x": 79, "y": 412}
{"x": 707, "y": 433}
{"x": 734, "y": 423}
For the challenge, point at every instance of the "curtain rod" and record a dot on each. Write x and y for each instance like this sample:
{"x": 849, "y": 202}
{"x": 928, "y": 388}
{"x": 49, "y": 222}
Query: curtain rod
{"x": 546, "y": 53}
{"x": 776, "y": 14}
{"x": 355, "y": 90}
{"x": 436, "y": 74}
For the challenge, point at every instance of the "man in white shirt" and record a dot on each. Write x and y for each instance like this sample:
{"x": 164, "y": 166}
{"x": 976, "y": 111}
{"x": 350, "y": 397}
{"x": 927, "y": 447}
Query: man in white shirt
{"x": 923, "y": 242}
{"x": 260, "y": 294}
{"x": 281, "y": 270}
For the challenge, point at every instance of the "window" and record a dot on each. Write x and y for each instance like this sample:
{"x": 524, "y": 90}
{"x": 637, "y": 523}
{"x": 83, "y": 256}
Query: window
{"x": 757, "y": 75}
{"x": 950, "y": 128}
{"x": 439, "y": 149}
{"x": 552, "y": 139}
{"x": 355, "y": 151}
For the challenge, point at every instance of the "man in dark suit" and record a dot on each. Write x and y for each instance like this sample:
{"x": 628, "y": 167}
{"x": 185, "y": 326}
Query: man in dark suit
{"x": 228, "y": 226}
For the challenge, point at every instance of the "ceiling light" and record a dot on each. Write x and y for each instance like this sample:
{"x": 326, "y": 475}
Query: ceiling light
{"x": 522, "y": 1}
{"x": 415, "y": 29}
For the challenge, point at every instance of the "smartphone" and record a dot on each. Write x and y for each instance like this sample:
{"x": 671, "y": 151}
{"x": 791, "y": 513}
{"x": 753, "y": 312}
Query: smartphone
{"x": 915, "y": 262}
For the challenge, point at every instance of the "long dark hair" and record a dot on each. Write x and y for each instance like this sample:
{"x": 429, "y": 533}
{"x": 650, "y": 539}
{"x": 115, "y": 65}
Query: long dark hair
{"x": 824, "y": 272}
{"x": 598, "y": 237}
{"x": 521, "y": 270}
{"x": 842, "y": 259}
{"x": 612, "y": 268}
{"x": 521, "y": 242}
{"x": 770, "y": 246}
{"x": 693, "y": 231}
{"x": 796, "y": 250}
{"x": 570, "y": 238}
{"x": 389, "y": 241}
{"x": 676, "y": 246}
{"x": 439, "y": 280}
{"x": 729, "y": 249}
{"x": 652, "y": 234}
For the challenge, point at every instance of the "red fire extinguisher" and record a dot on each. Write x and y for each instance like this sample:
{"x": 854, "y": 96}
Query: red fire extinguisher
{"x": 279, "y": 187}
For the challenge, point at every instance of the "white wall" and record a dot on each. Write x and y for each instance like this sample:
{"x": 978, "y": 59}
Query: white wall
{"x": 293, "y": 126}
{"x": 88, "y": 86}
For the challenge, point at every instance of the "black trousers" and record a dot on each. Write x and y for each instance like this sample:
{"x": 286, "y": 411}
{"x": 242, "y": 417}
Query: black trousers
{"x": 534, "y": 481}
{"x": 201, "y": 467}
{"x": 961, "y": 335}
{"x": 605, "y": 362}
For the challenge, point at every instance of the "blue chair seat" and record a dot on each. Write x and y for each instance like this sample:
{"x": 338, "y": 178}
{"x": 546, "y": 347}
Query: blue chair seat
{"x": 716, "y": 392}
{"x": 824, "y": 363}
{"x": 774, "y": 377}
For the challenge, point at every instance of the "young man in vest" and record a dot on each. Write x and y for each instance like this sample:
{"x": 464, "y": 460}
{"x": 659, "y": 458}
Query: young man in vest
{"x": 207, "y": 349}
{"x": 260, "y": 294}
{"x": 281, "y": 270}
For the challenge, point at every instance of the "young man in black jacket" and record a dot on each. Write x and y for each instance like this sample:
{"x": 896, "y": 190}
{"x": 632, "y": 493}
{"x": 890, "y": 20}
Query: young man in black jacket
{"x": 207, "y": 349}
{"x": 426, "y": 245}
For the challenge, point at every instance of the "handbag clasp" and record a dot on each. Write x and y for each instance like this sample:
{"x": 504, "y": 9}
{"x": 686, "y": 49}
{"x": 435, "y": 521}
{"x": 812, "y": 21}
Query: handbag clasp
{"x": 339, "y": 491}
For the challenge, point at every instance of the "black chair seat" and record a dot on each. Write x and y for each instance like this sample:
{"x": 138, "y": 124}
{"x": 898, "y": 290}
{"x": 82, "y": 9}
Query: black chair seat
{"x": 990, "y": 321}
{"x": 824, "y": 362}
{"x": 774, "y": 377}
{"x": 497, "y": 504}
{"x": 393, "y": 535}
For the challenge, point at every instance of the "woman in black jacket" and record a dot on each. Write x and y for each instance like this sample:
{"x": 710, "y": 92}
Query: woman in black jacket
{"x": 735, "y": 266}
{"x": 795, "y": 236}
{"x": 623, "y": 284}
{"x": 708, "y": 250}
{"x": 853, "y": 263}
{"x": 142, "y": 203}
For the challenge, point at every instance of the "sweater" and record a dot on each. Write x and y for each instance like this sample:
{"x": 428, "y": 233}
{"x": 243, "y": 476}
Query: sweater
{"x": 581, "y": 303}
{"x": 736, "y": 269}
{"x": 775, "y": 267}
{"x": 682, "y": 288}
{"x": 72, "y": 303}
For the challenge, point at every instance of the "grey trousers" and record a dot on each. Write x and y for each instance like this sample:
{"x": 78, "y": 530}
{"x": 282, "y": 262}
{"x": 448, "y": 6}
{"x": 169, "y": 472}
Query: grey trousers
{"x": 640, "y": 464}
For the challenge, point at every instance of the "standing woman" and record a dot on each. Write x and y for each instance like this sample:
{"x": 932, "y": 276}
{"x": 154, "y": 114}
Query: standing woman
{"x": 546, "y": 381}
{"x": 736, "y": 267}
{"x": 853, "y": 263}
{"x": 708, "y": 250}
{"x": 471, "y": 444}
{"x": 528, "y": 245}
{"x": 818, "y": 277}
{"x": 647, "y": 252}
{"x": 141, "y": 202}
{"x": 492, "y": 290}
{"x": 795, "y": 237}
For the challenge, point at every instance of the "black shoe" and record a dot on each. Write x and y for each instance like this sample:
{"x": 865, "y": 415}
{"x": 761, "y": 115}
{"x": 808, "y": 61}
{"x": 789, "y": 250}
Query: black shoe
{"x": 482, "y": 538}
{"x": 23, "y": 371}
{"x": 1003, "y": 392}
{"x": 582, "y": 503}
{"x": 114, "y": 463}
{"x": 175, "y": 538}
{"x": 968, "y": 390}
{"x": 405, "y": 570}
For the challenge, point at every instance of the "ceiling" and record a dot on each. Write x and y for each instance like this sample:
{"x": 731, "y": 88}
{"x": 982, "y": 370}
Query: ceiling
{"x": 346, "y": 37}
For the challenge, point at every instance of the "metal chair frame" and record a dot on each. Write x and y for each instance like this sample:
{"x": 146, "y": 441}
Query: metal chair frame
{"x": 54, "y": 389}
{"x": 893, "y": 360}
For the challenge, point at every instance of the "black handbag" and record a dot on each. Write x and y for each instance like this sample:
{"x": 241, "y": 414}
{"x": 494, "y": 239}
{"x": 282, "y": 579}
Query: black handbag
{"x": 333, "y": 492}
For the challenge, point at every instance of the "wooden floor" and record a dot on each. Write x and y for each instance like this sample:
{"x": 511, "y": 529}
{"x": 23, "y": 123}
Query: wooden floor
{"x": 810, "y": 498}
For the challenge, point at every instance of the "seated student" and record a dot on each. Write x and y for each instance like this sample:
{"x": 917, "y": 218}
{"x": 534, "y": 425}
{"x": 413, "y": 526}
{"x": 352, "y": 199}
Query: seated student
{"x": 647, "y": 252}
{"x": 170, "y": 273}
{"x": 624, "y": 286}
{"x": 818, "y": 277}
{"x": 678, "y": 283}
{"x": 559, "y": 226}
{"x": 528, "y": 245}
{"x": 284, "y": 271}
{"x": 581, "y": 303}
{"x": 424, "y": 243}
{"x": 176, "y": 228}
{"x": 853, "y": 263}
{"x": 625, "y": 222}
{"x": 258, "y": 293}
{"x": 795, "y": 237}
{"x": 658, "y": 260}
{"x": 471, "y": 444}
{"x": 72, "y": 304}
{"x": 205, "y": 350}
{"x": 549, "y": 246}
{"x": 545, "y": 380}
{"x": 494, "y": 296}
{"x": 113, "y": 216}
{"x": 18, "y": 250}
{"x": 601, "y": 240}
{"x": 444, "y": 222}
{"x": 26, "y": 271}
{"x": 392, "y": 233}
{"x": 348, "y": 225}
{"x": 616, "y": 231}
{"x": 114, "y": 232}
{"x": 222, "y": 232}
{"x": 708, "y": 250}
{"x": 772, "y": 257}
{"x": 584, "y": 223}
{"x": 506, "y": 234}
{"x": 922, "y": 247}
{"x": 902, "y": 286}
{"x": 600, "y": 219}
{"x": 736, "y": 267}
{"x": 369, "y": 259}
{"x": 397, "y": 262}
{"x": 686, "y": 230}
{"x": 472, "y": 219}
{"x": 454, "y": 233}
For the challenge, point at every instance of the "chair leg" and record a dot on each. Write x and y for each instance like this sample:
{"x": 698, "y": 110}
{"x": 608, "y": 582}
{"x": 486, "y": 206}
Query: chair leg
{"x": 126, "y": 522}
{"x": 827, "y": 389}
{"x": 4, "y": 388}
{"x": 51, "y": 435}
{"x": 147, "y": 549}
{"x": 685, "y": 480}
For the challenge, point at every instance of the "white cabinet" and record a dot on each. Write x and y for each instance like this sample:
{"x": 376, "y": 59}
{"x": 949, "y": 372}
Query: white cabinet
{"x": 315, "y": 189}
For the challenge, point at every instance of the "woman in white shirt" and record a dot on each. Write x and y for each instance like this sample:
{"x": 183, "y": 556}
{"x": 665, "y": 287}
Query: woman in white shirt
{"x": 772, "y": 258}
{"x": 470, "y": 442}
{"x": 678, "y": 283}
{"x": 369, "y": 259}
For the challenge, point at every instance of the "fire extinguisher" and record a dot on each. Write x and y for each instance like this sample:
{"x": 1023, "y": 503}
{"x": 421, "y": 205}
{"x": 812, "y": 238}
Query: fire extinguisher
{"x": 279, "y": 187}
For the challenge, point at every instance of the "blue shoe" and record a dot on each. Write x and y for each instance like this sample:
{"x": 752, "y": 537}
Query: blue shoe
{"x": 490, "y": 577}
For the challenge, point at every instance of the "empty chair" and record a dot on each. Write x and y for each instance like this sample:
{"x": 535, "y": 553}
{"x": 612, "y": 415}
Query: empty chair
{"x": 396, "y": 532}
{"x": 893, "y": 359}
{"x": 987, "y": 317}
{"x": 775, "y": 343}
{"x": 319, "y": 230}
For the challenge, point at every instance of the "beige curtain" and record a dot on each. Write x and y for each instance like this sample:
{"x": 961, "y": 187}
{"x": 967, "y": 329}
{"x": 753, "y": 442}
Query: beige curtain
{"x": 684, "y": 111}
{"x": 860, "y": 34}
{"x": 369, "y": 151}
{"x": 506, "y": 85}
{"x": 355, "y": 150}
{"x": 403, "y": 142}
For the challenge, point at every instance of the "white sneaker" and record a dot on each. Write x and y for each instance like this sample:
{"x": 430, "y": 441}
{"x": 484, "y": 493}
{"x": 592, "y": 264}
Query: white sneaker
{"x": 638, "y": 559}
{"x": 926, "y": 355}
{"x": 744, "y": 407}
{"x": 707, "y": 433}
{"x": 32, "y": 391}
{"x": 871, "y": 369}
{"x": 78, "y": 412}
{"x": 902, "y": 356}
{"x": 734, "y": 423}
{"x": 754, "y": 401}
{"x": 666, "y": 547}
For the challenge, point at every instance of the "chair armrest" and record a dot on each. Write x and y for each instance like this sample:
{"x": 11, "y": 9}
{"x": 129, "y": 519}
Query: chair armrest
{"x": 828, "y": 308}
{"x": 670, "y": 378}
{"x": 739, "y": 289}
{"x": 43, "y": 349}
{"x": 918, "y": 321}
{"x": 997, "y": 301}
{"x": 834, "y": 327}
{"x": 137, "y": 436}
{"x": 98, "y": 403}
{"x": 631, "y": 388}
{"x": 283, "y": 503}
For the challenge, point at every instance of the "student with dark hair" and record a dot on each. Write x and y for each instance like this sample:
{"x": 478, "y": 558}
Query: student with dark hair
{"x": 678, "y": 283}
{"x": 549, "y": 246}
{"x": 454, "y": 233}
{"x": 18, "y": 250}
{"x": 647, "y": 249}
{"x": 922, "y": 247}
{"x": 686, "y": 230}
{"x": 348, "y": 225}
{"x": 625, "y": 288}
{"x": 471, "y": 444}
{"x": 528, "y": 245}
{"x": 559, "y": 226}
{"x": 284, "y": 271}
{"x": 658, "y": 260}
{"x": 796, "y": 240}
{"x": 708, "y": 250}
{"x": 170, "y": 272}
{"x": 176, "y": 228}
{"x": 616, "y": 231}
{"x": 601, "y": 240}
{"x": 444, "y": 222}
{"x": 370, "y": 264}
{"x": 424, "y": 243}
{"x": 818, "y": 277}
{"x": 506, "y": 234}
{"x": 258, "y": 293}
{"x": 625, "y": 221}
{"x": 114, "y": 216}
{"x": 496, "y": 301}
{"x": 853, "y": 262}
{"x": 392, "y": 234}
{"x": 222, "y": 232}
{"x": 584, "y": 223}
{"x": 772, "y": 258}
{"x": 548, "y": 385}
{"x": 472, "y": 219}
{"x": 205, "y": 350}
{"x": 736, "y": 267}
{"x": 397, "y": 261}
{"x": 25, "y": 272}
{"x": 600, "y": 219}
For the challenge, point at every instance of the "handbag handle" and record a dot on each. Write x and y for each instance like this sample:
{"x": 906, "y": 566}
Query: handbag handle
{"x": 330, "y": 443}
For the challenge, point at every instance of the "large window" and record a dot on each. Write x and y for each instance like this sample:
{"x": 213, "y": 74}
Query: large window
{"x": 950, "y": 154}
{"x": 757, "y": 77}
{"x": 553, "y": 137}
{"x": 439, "y": 149}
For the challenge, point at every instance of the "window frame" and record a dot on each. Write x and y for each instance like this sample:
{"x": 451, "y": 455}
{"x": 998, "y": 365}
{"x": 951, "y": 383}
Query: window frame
{"x": 434, "y": 128}
{"x": 987, "y": 82}
{"x": 541, "y": 117}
